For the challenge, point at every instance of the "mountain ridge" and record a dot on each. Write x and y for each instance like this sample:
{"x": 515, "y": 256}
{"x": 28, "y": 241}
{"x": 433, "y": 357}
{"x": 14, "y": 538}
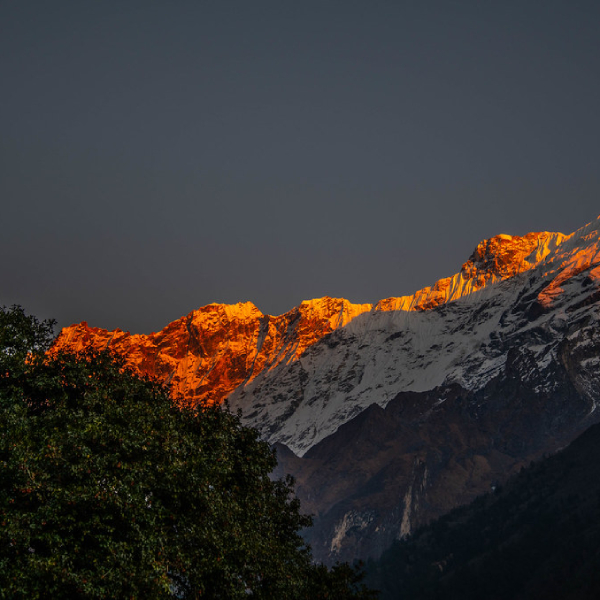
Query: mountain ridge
{"x": 464, "y": 341}
{"x": 209, "y": 352}
{"x": 493, "y": 260}
{"x": 201, "y": 364}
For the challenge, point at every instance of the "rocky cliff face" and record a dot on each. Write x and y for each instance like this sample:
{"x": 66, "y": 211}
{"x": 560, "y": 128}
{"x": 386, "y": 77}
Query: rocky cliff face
{"x": 542, "y": 527}
{"x": 218, "y": 348}
{"x": 391, "y": 415}
{"x": 390, "y": 470}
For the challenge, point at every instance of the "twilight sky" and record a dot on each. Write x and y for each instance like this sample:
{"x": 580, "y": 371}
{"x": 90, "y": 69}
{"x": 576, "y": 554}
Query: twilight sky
{"x": 158, "y": 156}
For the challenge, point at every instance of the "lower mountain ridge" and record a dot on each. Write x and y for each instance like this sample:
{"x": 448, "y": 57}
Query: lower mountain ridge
{"x": 390, "y": 470}
{"x": 537, "y": 538}
{"x": 391, "y": 415}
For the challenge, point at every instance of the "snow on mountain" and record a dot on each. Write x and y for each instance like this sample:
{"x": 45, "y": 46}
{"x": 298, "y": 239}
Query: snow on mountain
{"x": 534, "y": 292}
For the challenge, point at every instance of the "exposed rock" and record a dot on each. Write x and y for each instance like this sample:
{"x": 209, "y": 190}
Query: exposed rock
{"x": 219, "y": 347}
{"x": 494, "y": 260}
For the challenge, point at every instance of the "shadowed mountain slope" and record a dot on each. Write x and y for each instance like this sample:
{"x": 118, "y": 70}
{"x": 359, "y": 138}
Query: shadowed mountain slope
{"x": 536, "y": 538}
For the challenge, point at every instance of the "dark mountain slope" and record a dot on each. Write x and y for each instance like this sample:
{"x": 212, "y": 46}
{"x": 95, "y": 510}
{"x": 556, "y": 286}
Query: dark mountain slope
{"x": 390, "y": 470}
{"x": 536, "y": 538}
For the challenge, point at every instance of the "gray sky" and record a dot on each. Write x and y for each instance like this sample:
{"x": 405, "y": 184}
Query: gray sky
{"x": 159, "y": 156}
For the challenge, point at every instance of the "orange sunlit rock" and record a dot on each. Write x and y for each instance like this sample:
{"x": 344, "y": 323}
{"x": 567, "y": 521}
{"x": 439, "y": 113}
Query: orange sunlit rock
{"x": 493, "y": 260}
{"x": 576, "y": 261}
{"x": 213, "y": 350}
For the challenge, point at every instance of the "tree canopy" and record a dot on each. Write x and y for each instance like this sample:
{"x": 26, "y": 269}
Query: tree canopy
{"x": 110, "y": 489}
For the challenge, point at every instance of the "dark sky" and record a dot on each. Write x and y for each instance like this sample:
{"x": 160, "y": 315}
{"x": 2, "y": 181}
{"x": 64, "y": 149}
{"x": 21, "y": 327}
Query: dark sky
{"x": 159, "y": 156}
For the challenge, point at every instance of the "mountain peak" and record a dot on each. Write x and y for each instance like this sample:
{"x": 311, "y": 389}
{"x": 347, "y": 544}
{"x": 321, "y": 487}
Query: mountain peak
{"x": 493, "y": 260}
{"x": 504, "y": 256}
{"x": 336, "y": 312}
{"x": 213, "y": 314}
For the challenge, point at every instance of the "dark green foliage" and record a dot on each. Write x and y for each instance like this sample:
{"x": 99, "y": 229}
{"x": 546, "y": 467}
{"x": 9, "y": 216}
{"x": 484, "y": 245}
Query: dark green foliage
{"x": 110, "y": 490}
{"x": 537, "y": 538}
{"x": 23, "y": 342}
{"x": 341, "y": 582}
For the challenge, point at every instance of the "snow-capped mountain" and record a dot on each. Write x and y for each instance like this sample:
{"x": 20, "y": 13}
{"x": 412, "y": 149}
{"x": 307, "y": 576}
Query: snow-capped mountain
{"x": 464, "y": 395}
{"x": 529, "y": 292}
{"x": 390, "y": 415}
